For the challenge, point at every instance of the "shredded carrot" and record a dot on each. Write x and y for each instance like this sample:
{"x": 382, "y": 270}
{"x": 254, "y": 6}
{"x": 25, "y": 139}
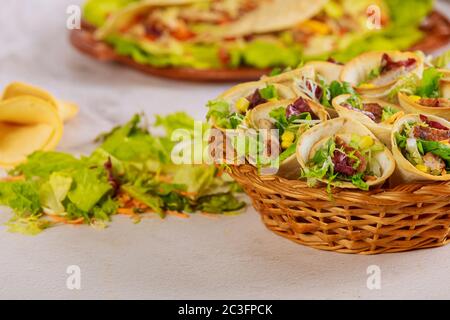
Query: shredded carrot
{"x": 13, "y": 178}
{"x": 126, "y": 211}
{"x": 188, "y": 194}
{"x": 65, "y": 221}
{"x": 210, "y": 215}
{"x": 166, "y": 179}
{"x": 178, "y": 214}
{"x": 76, "y": 221}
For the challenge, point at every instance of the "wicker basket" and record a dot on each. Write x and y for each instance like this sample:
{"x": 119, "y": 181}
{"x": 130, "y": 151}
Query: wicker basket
{"x": 407, "y": 217}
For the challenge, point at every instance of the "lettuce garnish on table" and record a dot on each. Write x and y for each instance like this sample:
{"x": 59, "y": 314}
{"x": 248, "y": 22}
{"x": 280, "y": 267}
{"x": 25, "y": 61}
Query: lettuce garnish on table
{"x": 130, "y": 173}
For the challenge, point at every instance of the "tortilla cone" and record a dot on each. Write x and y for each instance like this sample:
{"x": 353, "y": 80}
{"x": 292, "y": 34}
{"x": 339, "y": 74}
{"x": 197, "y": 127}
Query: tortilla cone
{"x": 117, "y": 20}
{"x": 357, "y": 70}
{"x": 381, "y": 130}
{"x": 259, "y": 118}
{"x": 327, "y": 70}
{"x": 27, "y": 124}
{"x": 287, "y": 78}
{"x": 412, "y": 106}
{"x": 406, "y": 172}
{"x": 311, "y": 140}
{"x": 446, "y": 74}
{"x": 274, "y": 15}
{"x": 246, "y": 89}
{"x": 271, "y": 16}
{"x": 66, "y": 110}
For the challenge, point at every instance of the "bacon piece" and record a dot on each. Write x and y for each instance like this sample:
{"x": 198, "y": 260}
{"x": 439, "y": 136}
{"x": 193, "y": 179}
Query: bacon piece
{"x": 432, "y": 124}
{"x": 298, "y": 107}
{"x": 435, "y": 103}
{"x": 388, "y": 64}
{"x": 343, "y": 164}
{"x": 430, "y": 134}
{"x": 367, "y": 113}
{"x": 375, "y": 109}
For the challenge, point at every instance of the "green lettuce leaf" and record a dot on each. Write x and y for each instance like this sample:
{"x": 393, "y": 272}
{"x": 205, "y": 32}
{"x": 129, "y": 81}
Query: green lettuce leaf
{"x": 42, "y": 164}
{"x": 430, "y": 84}
{"x": 265, "y": 54}
{"x": 21, "y": 196}
{"x": 219, "y": 204}
{"x": 443, "y": 60}
{"x": 54, "y": 192}
{"x": 89, "y": 188}
{"x": 96, "y": 11}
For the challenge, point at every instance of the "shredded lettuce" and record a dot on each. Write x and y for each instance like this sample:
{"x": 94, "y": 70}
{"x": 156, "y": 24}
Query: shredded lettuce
{"x": 388, "y": 112}
{"x": 219, "y": 112}
{"x": 430, "y": 84}
{"x": 401, "y": 34}
{"x": 264, "y": 54}
{"x": 97, "y": 11}
{"x": 129, "y": 159}
{"x": 443, "y": 60}
{"x": 269, "y": 92}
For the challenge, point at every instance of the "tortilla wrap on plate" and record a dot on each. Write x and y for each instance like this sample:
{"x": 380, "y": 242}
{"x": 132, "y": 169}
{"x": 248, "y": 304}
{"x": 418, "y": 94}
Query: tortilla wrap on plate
{"x": 237, "y": 35}
{"x": 420, "y": 147}
{"x": 374, "y": 74}
{"x": 345, "y": 154}
{"x": 377, "y": 115}
{"x": 437, "y": 103}
{"x": 292, "y": 118}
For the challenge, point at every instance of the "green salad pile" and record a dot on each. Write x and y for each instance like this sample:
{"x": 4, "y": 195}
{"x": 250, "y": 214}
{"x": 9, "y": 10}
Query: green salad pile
{"x": 131, "y": 172}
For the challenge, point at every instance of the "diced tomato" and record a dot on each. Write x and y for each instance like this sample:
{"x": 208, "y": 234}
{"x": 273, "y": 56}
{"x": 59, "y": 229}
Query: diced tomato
{"x": 182, "y": 34}
{"x": 224, "y": 56}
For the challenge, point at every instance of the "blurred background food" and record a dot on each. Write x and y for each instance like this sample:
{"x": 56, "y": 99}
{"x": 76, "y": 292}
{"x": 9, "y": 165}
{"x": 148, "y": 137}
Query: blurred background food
{"x": 264, "y": 34}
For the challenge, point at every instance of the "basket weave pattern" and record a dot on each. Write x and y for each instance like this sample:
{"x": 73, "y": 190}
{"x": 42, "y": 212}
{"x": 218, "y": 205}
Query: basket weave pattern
{"x": 404, "y": 218}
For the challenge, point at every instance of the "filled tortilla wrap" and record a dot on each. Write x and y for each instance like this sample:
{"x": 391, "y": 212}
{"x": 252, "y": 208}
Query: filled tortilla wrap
{"x": 374, "y": 74}
{"x": 290, "y": 119}
{"x": 421, "y": 148}
{"x": 288, "y": 78}
{"x": 316, "y": 84}
{"x": 230, "y": 109}
{"x": 251, "y": 17}
{"x": 344, "y": 153}
{"x": 377, "y": 115}
{"x": 431, "y": 97}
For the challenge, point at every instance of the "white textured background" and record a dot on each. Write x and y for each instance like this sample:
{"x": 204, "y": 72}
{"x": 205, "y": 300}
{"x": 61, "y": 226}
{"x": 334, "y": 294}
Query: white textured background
{"x": 223, "y": 258}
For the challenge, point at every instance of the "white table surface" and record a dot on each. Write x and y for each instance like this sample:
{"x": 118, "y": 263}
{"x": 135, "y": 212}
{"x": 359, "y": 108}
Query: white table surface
{"x": 198, "y": 258}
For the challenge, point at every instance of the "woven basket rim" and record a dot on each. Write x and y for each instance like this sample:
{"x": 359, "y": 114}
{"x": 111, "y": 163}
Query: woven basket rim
{"x": 303, "y": 183}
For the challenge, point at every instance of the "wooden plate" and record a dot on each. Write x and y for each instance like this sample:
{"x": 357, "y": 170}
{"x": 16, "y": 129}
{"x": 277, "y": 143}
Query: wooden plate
{"x": 436, "y": 27}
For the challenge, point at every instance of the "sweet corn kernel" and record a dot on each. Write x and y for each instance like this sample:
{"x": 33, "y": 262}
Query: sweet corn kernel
{"x": 366, "y": 86}
{"x": 242, "y": 105}
{"x": 288, "y": 136}
{"x": 315, "y": 27}
{"x": 415, "y": 98}
{"x": 366, "y": 142}
{"x": 422, "y": 167}
{"x": 286, "y": 144}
